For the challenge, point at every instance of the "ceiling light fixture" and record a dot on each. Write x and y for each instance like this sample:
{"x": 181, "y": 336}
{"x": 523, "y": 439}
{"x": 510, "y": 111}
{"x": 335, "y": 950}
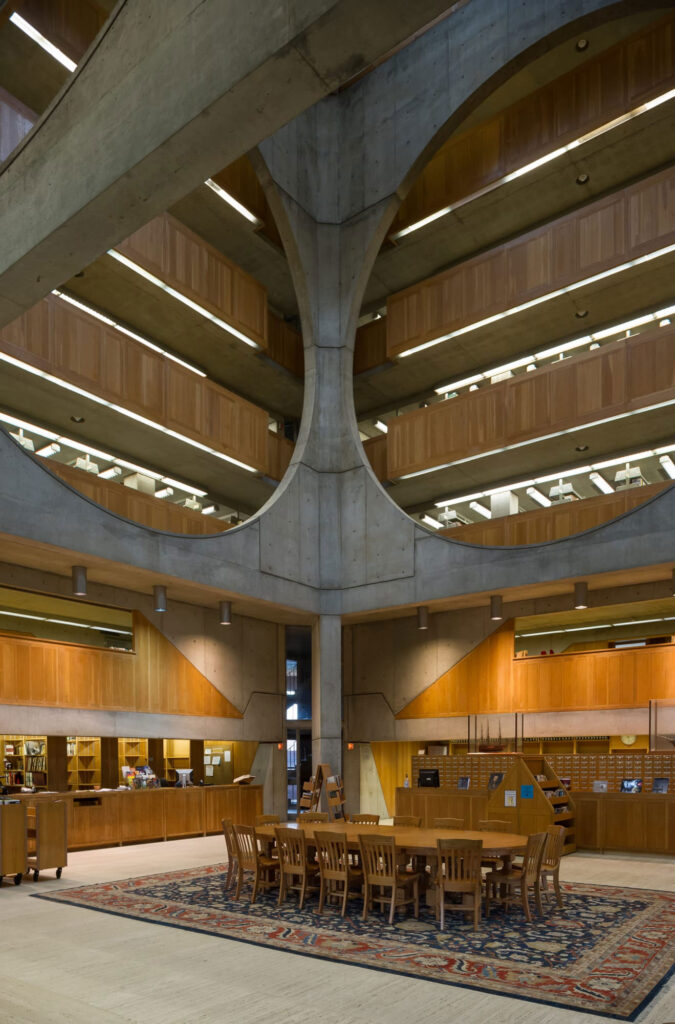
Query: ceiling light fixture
{"x": 225, "y": 613}
{"x": 480, "y": 509}
{"x": 381, "y": 425}
{"x": 78, "y": 575}
{"x": 422, "y": 617}
{"x": 668, "y": 466}
{"x": 583, "y": 179}
{"x": 38, "y": 38}
{"x": 110, "y": 474}
{"x": 142, "y": 272}
{"x": 234, "y": 203}
{"x": 49, "y": 449}
{"x": 581, "y": 595}
{"x": 159, "y": 597}
{"x": 600, "y": 482}
{"x": 164, "y": 492}
{"x": 430, "y": 521}
{"x": 618, "y": 269}
{"x": 496, "y": 608}
{"x": 538, "y": 496}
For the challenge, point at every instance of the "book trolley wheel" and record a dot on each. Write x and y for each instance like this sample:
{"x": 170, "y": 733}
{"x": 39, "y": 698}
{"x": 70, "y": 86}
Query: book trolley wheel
{"x": 18, "y": 878}
{"x": 58, "y": 872}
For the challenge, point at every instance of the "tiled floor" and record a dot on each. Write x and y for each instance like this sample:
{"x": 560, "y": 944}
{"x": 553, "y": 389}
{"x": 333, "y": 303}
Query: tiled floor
{"x": 71, "y": 966}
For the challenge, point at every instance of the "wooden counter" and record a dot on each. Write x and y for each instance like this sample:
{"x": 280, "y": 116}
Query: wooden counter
{"x": 114, "y": 817}
{"x": 641, "y": 822}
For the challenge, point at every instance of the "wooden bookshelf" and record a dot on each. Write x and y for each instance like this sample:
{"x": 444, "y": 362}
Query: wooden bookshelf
{"x": 21, "y": 764}
{"x": 335, "y": 796}
{"x": 84, "y": 762}
{"x": 176, "y": 755}
{"x": 132, "y": 752}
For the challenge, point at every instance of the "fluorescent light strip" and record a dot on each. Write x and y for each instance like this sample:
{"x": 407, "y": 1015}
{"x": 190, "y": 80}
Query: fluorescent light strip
{"x": 656, "y": 254}
{"x": 91, "y": 311}
{"x": 560, "y": 474}
{"x": 234, "y": 203}
{"x": 142, "y": 272}
{"x": 38, "y": 38}
{"x": 79, "y": 446}
{"x": 67, "y": 622}
{"x": 539, "y": 162}
{"x": 124, "y": 412}
{"x": 536, "y": 440}
{"x": 430, "y": 521}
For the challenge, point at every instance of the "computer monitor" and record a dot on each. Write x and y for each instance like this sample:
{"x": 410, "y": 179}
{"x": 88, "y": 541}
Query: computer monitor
{"x": 428, "y": 777}
{"x": 631, "y": 785}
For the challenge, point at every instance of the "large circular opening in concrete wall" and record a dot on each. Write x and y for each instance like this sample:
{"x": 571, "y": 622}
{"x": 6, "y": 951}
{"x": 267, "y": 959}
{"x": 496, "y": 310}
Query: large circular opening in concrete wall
{"x": 516, "y": 337}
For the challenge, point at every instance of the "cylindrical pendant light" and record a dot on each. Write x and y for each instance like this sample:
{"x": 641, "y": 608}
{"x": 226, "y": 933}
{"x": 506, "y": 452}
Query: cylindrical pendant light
{"x": 79, "y": 578}
{"x": 496, "y": 612}
{"x": 581, "y": 594}
{"x": 225, "y": 613}
{"x": 159, "y": 597}
{"x": 422, "y": 617}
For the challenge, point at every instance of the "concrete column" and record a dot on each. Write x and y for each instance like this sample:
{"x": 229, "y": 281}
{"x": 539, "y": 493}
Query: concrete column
{"x": 327, "y": 692}
{"x": 505, "y": 503}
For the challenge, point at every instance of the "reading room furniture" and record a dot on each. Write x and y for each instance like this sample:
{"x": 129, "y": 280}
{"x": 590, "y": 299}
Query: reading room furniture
{"x": 381, "y": 872}
{"x": 459, "y": 873}
{"x": 338, "y": 877}
{"x": 47, "y": 837}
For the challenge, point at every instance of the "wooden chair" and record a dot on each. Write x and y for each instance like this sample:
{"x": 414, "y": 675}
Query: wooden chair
{"x": 447, "y": 823}
{"x": 407, "y": 820}
{"x": 550, "y": 863}
{"x": 339, "y": 878}
{"x": 267, "y": 819}
{"x": 522, "y": 879}
{"x": 459, "y": 871}
{"x": 382, "y": 871}
{"x": 294, "y": 864}
{"x": 313, "y": 816}
{"x": 364, "y": 819}
{"x": 251, "y": 860}
{"x": 492, "y": 863}
{"x": 230, "y": 843}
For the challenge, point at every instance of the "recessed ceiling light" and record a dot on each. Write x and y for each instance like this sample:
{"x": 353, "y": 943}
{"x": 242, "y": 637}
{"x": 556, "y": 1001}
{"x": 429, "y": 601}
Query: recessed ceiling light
{"x": 581, "y": 45}
{"x": 583, "y": 179}
{"x": 581, "y": 448}
{"x": 581, "y": 313}
{"x": 77, "y": 419}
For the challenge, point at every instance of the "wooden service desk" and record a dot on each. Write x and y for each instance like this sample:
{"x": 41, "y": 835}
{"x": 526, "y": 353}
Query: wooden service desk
{"x": 114, "y": 817}
{"x": 641, "y": 822}
{"x": 420, "y": 841}
{"x": 470, "y": 805}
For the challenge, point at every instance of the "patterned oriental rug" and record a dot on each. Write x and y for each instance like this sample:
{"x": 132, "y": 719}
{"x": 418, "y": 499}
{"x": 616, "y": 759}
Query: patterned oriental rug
{"x": 608, "y": 952}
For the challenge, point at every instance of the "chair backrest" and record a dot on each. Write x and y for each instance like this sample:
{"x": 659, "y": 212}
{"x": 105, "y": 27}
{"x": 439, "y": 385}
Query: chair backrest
{"x": 228, "y": 832}
{"x": 292, "y": 847}
{"x": 364, "y": 819}
{"x": 459, "y": 860}
{"x": 493, "y": 825}
{"x": 312, "y": 816}
{"x": 447, "y": 823}
{"x": 332, "y": 853}
{"x": 378, "y": 856}
{"x": 267, "y": 819}
{"x": 407, "y": 820}
{"x": 554, "y": 846}
{"x": 533, "y": 855}
{"x": 246, "y": 846}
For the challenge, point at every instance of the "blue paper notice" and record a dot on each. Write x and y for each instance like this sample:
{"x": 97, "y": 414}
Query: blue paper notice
{"x": 527, "y": 792}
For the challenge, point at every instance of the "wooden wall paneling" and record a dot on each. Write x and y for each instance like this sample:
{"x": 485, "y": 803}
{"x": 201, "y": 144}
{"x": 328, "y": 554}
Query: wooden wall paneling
{"x": 92, "y": 820}
{"x": 240, "y": 180}
{"x": 616, "y": 80}
{"x": 142, "y": 815}
{"x": 110, "y": 768}
{"x": 70, "y": 24}
{"x": 370, "y": 345}
{"x": 539, "y": 526}
{"x": 638, "y": 218}
{"x": 156, "y": 679}
{"x": 197, "y": 760}
{"x": 16, "y": 120}
{"x": 392, "y": 761}
{"x": 243, "y": 753}
{"x": 250, "y": 306}
{"x": 184, "y": 401}
{"x": 589, "y": 821}
{"x": 279, "y": 453}
{"x": 376, "y": 451}
{"x": 184, "y": 811}
{"x": 557, "y": 396}
{"x": 284, "y": 344}
{"x": 144, "y": 382}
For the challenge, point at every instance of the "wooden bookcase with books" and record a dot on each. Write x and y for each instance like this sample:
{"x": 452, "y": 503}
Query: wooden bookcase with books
{"x": 530, "y": 796}
{"x": 335, "y": 796}
{"x": 84, "y": 762}
{"x": 132, "y": 753}
{"x": 24, "y": 762}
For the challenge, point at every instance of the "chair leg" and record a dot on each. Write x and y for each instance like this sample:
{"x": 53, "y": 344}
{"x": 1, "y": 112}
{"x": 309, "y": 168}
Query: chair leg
{"x": 558, "y": 892}
{"x": 302, "y": 890}
{"x": 240, "y": 881}
{"x": 366, "y": 899}
{"x": 322, "y": 893}
{"x": 487, "y": 899}
{"x": 526, "y": 905}
{"x": 392, "y": 906}
{"x": 345, "y": 895}
{"x": 256, "y": 883}
{"x": 441, "y": 904}
{"x": 537, "y": 898}
{"x": 416, "y": 894}
{"x": 282, "y": 889}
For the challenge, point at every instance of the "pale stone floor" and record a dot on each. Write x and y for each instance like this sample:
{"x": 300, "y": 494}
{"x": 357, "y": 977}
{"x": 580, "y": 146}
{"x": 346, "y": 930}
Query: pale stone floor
{"x": 63, "y": 964}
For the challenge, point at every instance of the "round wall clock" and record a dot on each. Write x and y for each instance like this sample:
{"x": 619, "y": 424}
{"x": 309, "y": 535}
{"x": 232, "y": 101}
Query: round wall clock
{"x": 628, "y": 741}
